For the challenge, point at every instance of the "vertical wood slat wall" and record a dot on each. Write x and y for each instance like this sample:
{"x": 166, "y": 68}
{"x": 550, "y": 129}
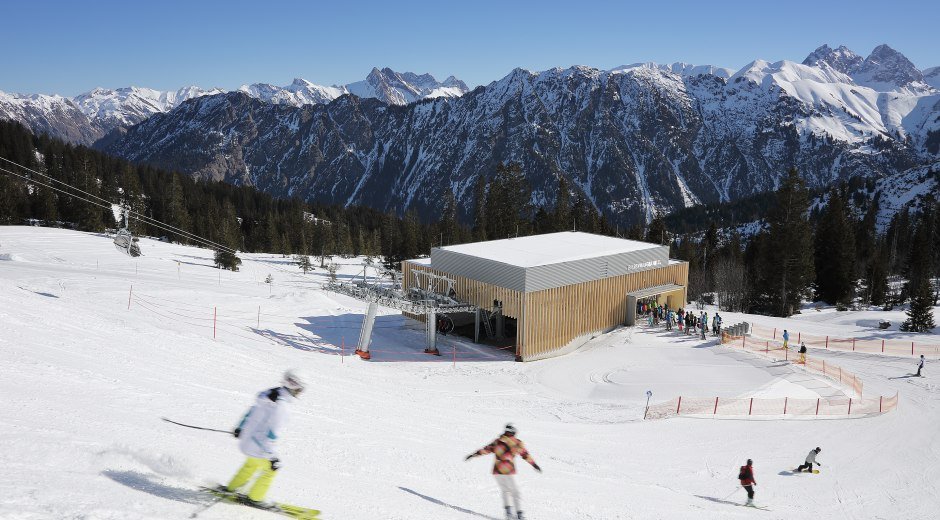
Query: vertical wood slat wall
{"x": 554, "y": 317}
{"x": 548, "y": 320}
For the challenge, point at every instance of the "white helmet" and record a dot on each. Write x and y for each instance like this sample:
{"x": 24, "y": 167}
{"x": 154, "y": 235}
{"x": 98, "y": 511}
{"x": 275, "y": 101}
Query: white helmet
{"x": 295, "y": 381}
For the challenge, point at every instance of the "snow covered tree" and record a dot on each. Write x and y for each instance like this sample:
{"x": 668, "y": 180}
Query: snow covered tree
{"x": 303, "y": 261}
{"x": 920, "y": 313}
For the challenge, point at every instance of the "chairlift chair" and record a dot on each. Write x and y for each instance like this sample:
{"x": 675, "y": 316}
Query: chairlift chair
{"x": 126, "y": 242}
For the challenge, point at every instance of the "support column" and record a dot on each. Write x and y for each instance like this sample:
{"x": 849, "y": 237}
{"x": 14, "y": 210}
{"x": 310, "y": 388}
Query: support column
{"x": 476, "y": 326}
{"x": 430, "y": 324}
{"x": 365, "y": 334}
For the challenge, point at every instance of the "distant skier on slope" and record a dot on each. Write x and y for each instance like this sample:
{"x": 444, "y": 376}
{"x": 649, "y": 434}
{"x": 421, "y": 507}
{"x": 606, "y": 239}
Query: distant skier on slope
{"x": 746, "y": 476}
{"x": 506, "y": 448}
{"x": 786, "y": 338}
{"x": 920, "y": 365}
{"x": 257, "y": 433}
{"x": 810, "y": 460}
{"x": 803, "y": 353}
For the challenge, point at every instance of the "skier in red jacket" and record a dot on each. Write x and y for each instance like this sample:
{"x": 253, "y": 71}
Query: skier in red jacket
{"x": 747, "y": 481}
{"x": 506, "y": 448}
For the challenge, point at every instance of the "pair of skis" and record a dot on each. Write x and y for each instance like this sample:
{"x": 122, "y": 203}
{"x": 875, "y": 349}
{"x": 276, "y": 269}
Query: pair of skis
{"x": 289, "y": 510}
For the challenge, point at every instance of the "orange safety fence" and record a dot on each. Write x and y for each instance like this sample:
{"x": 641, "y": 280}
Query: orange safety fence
{"x": 782, "y": 406}
{"x": 775, "y": 350}
{"x": 894, "y": 347}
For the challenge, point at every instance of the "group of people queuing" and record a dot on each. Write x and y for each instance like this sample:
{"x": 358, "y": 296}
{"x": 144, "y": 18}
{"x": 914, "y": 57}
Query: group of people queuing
{"x": 685, "y": 321}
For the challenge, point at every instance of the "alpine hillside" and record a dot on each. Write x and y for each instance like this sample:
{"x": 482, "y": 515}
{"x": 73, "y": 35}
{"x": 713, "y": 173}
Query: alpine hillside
{"x": 635, "y": 140}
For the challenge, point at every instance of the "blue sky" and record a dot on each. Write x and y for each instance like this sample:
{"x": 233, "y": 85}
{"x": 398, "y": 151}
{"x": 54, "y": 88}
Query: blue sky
{"x": 71, "y": 47}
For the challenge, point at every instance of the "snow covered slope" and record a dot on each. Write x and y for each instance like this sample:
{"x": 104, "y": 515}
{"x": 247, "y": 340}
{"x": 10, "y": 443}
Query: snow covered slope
{"x": 87, "y": 380}
{"x": 128, "y": 106}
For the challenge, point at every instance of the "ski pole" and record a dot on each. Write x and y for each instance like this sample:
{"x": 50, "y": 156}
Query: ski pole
{"x": 196, "y": 427}
{"x": 733, "y": 492}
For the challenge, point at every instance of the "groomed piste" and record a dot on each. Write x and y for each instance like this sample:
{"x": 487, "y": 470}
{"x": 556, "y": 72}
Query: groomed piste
{"x": 92, "y": 364}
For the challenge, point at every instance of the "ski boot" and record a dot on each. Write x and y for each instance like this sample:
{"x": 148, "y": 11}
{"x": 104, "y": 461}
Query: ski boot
{"x": 519, "y": 515}
{"x": 509, "y": 514}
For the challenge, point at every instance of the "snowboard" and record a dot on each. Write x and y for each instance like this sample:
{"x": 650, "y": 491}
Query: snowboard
{"x": 815, "y": 471}
{"x": 289, "y": 510}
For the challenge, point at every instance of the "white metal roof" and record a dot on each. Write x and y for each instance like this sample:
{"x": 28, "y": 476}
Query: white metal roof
{"x": 551, "y": 248}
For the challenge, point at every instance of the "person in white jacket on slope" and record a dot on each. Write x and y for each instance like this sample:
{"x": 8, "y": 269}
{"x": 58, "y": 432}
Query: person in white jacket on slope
{"x": 810, "y": 460}
{"x": 258, "y": 432}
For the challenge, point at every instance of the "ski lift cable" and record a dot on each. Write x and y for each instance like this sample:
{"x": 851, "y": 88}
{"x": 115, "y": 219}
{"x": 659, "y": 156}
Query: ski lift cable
{"x": 109, "y": 204}
{"x": 156, "y": 223}
{"x": 106, "y": 204}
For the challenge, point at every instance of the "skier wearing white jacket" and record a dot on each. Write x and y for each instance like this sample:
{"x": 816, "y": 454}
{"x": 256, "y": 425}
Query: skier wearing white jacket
{"x": 258, "y": 432}
{"x": 810, "y": 460}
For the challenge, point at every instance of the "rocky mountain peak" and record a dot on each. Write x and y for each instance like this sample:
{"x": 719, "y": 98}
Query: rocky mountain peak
{"x": 885, "y": 68}
{"x": 841, "y": 59}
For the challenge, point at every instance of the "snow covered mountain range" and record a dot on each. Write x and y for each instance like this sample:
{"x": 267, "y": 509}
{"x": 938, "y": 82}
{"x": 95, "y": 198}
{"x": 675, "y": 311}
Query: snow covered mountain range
{"x": 635, "y": 140}
{"x": 88, "y": 117}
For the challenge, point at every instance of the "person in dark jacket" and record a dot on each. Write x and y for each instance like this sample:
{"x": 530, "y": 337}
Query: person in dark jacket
{"x": 747, "y": 481}
{"x": 803, "y": 353}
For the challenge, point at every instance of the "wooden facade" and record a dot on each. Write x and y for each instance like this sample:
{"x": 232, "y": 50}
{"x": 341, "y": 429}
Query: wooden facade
{"x": 552, "y": 321}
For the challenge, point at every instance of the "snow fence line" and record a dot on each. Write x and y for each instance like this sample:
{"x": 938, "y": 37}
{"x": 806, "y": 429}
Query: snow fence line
{"x": 892, "y": 347}
{"x": 249, "y": 326}
{"x": 776, "y": 351}
{"x": 780, "y": 406}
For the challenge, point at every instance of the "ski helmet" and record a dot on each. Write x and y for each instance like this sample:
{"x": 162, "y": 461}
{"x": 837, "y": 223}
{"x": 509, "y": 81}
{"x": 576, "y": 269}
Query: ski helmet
{"x": 294, "y": 381}
{"x": 749, "y": 462}
{"x": 510, "y": 429}
{"x": 818, "y": 449}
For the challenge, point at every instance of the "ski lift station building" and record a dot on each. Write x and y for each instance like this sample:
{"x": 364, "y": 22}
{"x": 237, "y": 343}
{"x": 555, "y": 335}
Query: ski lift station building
{"x": 558, "y": 290}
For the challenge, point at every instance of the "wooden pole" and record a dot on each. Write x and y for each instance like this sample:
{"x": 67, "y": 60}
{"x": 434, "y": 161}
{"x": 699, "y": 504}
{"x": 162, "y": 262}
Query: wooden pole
{"x": 716, "y": 407}
{"x": 785, "y": 402}
{"x": 817, "y": 406}
{"x": 850, "y": 406}
{"x": 679, "y": 406}
{"x": 751, "y": 408}
{"x": 129, "y": 295}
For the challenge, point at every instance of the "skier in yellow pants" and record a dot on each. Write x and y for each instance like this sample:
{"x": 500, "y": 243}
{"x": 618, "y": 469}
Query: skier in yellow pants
{"x": 257, "y": 433}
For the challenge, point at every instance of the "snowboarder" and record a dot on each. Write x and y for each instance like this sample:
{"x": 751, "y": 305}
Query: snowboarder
{"x": 803, "y": 353}
{"x": 257, "y": 433}
{"x": 786, "y": 338}
{"x": 746, "y": 476}
{"x": 810, "y": 460}
{"x": 920, "y": 366}
{"x": 506, "y": 448}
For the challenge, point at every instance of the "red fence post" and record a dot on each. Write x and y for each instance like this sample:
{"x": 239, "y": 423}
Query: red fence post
{"x": 716, "y": 407}
{"x": 215, "y": 314}
{"x": 129, "y": 295}
{"x": 880, "y": 403}
{"x": 827, "y": 341}
{"x": 742, "y": 341}
{"x": 850, "y": 406}
{"x": 882, "y": 346}
{"x": 817, "y": 406}
{"x": 751, "y": 408}
{"x": 775, "y": 332}
{"x": 679, "y": 406}
{"x": 766, "y": 347}
{"x": 912, "y": 348}
{"x": 798, "y": 336}
{"x": 785, "y": 401}
{"x": 853, "y": 344}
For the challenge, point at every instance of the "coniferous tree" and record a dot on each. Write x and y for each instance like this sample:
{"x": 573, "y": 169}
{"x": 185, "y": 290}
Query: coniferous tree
{"x": 449, "y": 228}
{"x": 784, "y": 259}
{"x": 561, "y": 215}
{"x": 479, "y": 209}
{"x": 920, "y": 314}
{"x": 835, "y": 253}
